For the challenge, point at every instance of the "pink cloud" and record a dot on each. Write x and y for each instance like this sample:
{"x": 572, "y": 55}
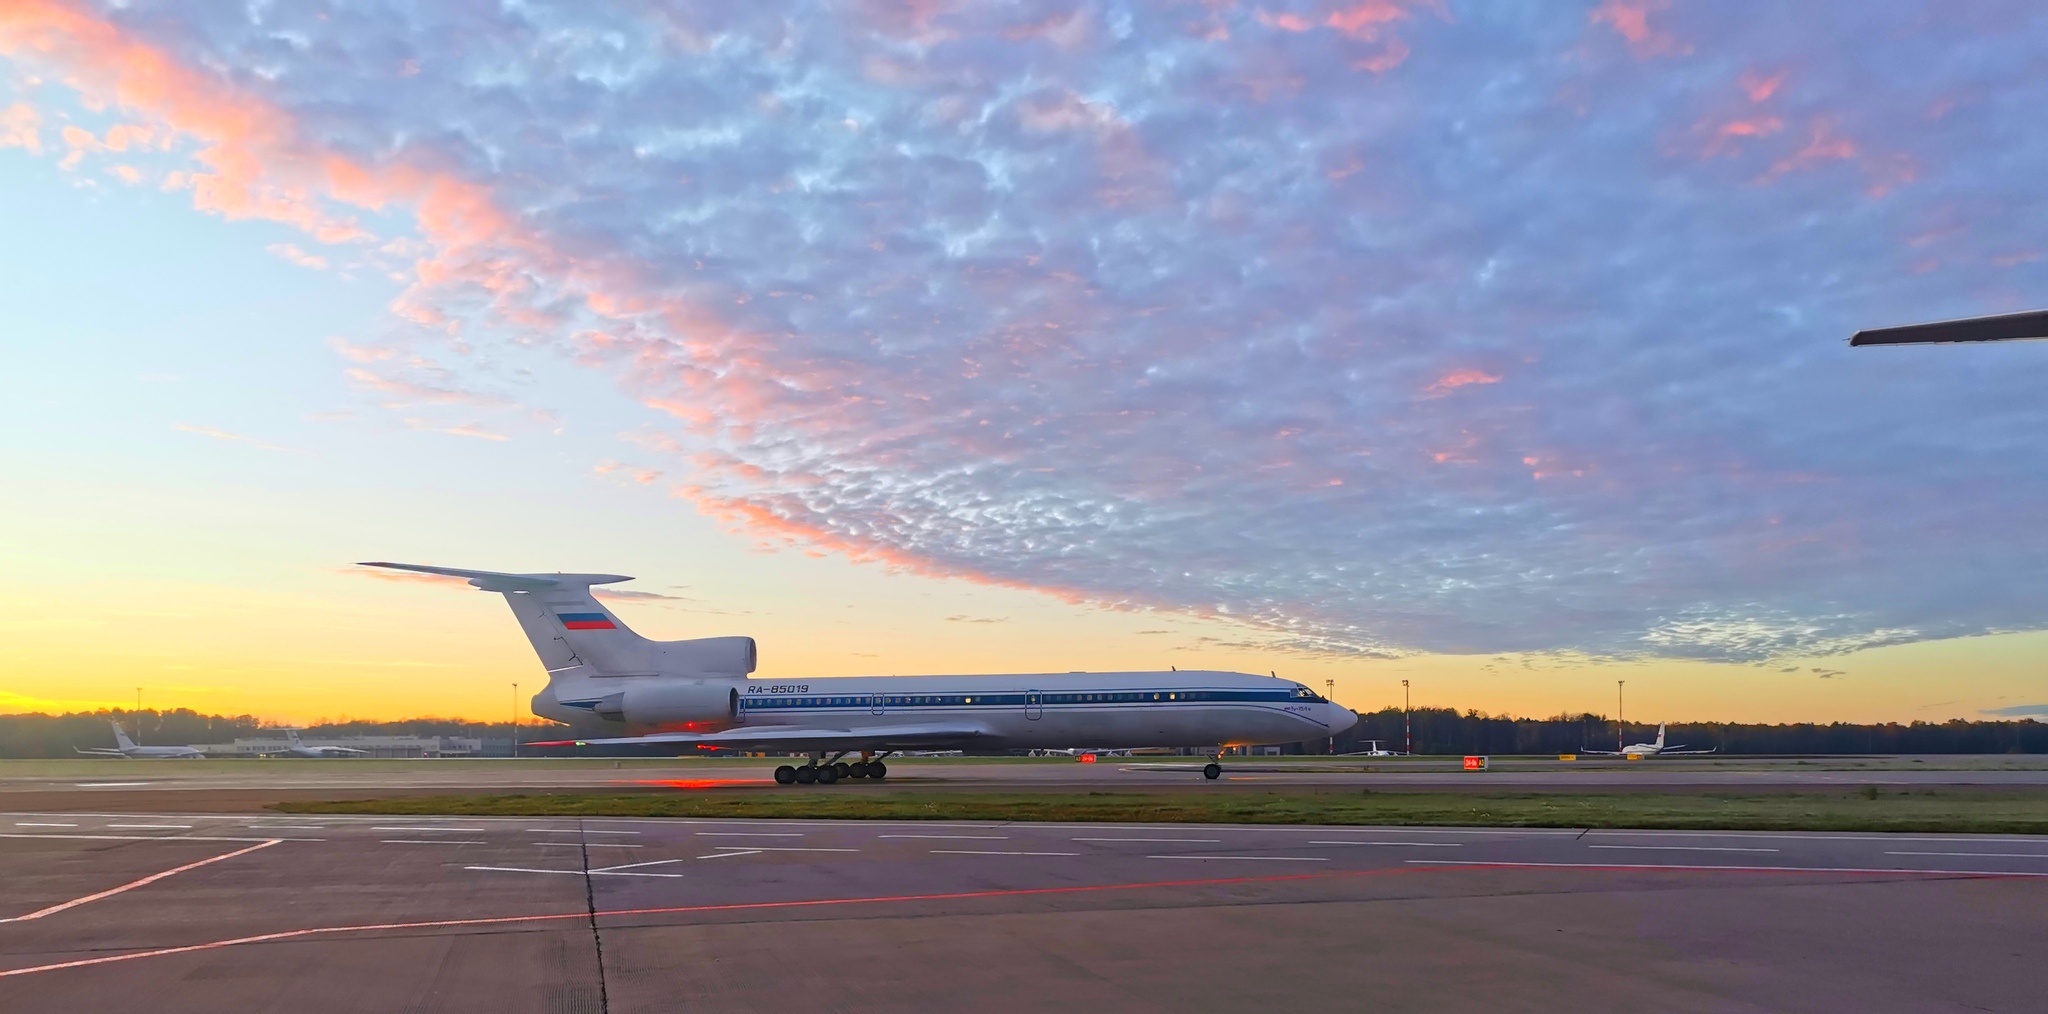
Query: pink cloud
{"x": 18, "y": 128}
{"x": 1631, "y": 20}
{"x": 1456, "y": 379}
{"x": 1759, "y": 87}
{"x": 1823, "y": 145}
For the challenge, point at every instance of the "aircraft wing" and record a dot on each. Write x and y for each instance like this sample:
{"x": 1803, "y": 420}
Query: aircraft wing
{"x": 1601, "y": 753}
{"x": 784, "y": 737}
{"x": 101, "y": 751}
{"x": 1683, "y": 753}
{"x": 2031, "y": 324}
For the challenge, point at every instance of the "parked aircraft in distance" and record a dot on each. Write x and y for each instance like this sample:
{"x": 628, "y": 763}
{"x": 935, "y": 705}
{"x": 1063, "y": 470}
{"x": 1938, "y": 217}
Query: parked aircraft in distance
{"x": 1654, "y": 749}
{"x": 1372, "y": 751}
{"x": 125, "y": 747}
{"x": 298, "y": 749}
{"x": 610, "y": 685}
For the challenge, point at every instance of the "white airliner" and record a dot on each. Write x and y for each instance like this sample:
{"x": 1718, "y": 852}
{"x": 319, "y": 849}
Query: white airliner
{"x": 298, "y": 749}
{"x": 125, "y": 747}
{"x": 613, "y": 686}
{"x": 1655, "y": 749}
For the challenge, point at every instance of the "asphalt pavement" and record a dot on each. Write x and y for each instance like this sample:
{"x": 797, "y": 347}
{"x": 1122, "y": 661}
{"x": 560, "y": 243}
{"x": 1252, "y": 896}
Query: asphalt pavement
{"x": 172, "y": 910}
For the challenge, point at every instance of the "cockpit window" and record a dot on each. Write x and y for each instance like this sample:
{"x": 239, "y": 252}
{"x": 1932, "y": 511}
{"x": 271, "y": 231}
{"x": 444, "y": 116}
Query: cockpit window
{"x": 1302, "y": 693}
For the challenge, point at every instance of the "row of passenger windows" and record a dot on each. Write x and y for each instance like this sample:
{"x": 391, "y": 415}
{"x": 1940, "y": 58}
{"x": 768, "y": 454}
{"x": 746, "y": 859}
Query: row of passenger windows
{"x": 962, "y": 700}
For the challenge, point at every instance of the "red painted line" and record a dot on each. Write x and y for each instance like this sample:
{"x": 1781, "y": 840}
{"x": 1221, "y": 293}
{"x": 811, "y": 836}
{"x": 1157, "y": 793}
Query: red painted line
{"x": 889, "y": 899}
{"x": 133, "y": 884}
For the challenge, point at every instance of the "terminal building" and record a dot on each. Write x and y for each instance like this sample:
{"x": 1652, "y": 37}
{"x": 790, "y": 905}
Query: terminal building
{"x": 372, "y": 746}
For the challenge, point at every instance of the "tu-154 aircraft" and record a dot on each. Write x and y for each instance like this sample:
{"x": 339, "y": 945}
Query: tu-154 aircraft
{"x": 1652, "y": 749}
{"x": 125, "y": 747}
{"x": 613, "y": 686}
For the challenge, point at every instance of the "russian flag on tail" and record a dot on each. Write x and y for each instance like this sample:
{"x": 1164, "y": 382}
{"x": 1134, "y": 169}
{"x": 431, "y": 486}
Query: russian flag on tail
{"x": 588, "y": 621}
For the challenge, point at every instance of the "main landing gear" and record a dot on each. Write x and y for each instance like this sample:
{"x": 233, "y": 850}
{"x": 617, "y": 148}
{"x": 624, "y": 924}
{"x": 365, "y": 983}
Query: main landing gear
{"x": 822, "y": 772}
{"x": 1214, "y": 769}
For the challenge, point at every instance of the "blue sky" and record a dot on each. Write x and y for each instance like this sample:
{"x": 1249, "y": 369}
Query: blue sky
{"x": 1344, "y": 334}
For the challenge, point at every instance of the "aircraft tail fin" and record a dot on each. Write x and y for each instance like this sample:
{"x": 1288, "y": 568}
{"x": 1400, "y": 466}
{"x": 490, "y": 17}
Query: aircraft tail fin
{"x": 121, "y": 737}
{"x": 569, "y": 628}
{"x": 1660, "y": 735}
{"x": 292, "y": 736}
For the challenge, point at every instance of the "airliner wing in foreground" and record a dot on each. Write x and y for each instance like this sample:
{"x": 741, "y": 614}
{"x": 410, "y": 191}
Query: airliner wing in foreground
{"x": 611, "y": 686}
{"x": 2030, "y": 325}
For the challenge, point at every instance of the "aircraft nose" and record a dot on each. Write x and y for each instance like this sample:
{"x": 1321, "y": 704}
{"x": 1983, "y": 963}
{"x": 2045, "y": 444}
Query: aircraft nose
{"x": 1341, "y": 718}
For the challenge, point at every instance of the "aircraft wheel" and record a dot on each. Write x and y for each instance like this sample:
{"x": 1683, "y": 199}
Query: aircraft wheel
{"x": 806, "y": 775}
{"x": 877, "y": 770}
{"x": 842, "y": 770}
{"x": 828, "y": 774}
{"x": 857, "y": 769}
{"x": 785, "y": 775}
{"x": 1213, "y": 771}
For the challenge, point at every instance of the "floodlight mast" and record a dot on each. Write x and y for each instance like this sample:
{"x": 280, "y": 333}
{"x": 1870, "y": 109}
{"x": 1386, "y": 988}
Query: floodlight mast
{"x": 2028, "y": 325}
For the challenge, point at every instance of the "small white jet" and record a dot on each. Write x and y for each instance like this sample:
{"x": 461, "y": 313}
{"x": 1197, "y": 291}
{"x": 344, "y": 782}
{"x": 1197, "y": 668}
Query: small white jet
{"x": 298, "y": 749}
{"x": 1653, "y": 749}
{"x": 125, "y": 747}
{"x": 1372, "y": 751}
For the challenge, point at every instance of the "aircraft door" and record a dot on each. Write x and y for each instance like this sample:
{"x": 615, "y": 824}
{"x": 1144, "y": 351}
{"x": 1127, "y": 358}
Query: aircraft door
{"x": 875, "y": 704}
{"x": 1033, "y": 704}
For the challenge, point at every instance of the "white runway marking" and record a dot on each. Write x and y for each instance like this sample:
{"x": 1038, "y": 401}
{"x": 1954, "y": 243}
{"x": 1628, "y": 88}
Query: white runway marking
{"x": 151, "y": 827}
{"x": 951, "y": 837}
{"x": 430, "y": 841}
{"x": 31, "y": 823}
{"x": 635, "y": 866}
{"x": 469, "y": 829}
{"x": 1729, "y": 869}
{"x": 1186, "y": 841}
{"x": 741, "y": 852}
{"x": 1682, "y": 848}
{"x": 573, "y": 873}
{"x": 1271, "y": 859}
{"x": 746, "y": 834}
{"x": 133, "y": 884}
{"x": 109, "y": 785}
{"x": 779, "y": 848}
{"x": 151, "y": 837}
{"x": 572, "y": 830}
{"x": 286, "y": 827}
{"x": 1988, "y": 855}
{"x": 982, "y": 852}
{"x": 589, "y": 844}
{"x": 1418, "y": 844}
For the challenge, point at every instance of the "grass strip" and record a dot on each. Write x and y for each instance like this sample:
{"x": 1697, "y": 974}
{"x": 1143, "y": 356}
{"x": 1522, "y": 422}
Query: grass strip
{"x": 1963, "y": 810}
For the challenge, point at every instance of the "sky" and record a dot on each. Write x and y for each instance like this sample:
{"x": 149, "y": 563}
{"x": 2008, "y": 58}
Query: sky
{"x": 1497, "y": 348}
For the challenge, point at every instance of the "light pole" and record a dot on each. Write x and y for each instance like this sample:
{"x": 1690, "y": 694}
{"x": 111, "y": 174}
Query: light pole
{"x": 515, "y": 719}
{"x": 1619, "y": 722}
{"x": 1330, "y": 694}
{"x": 1407, "y": 731}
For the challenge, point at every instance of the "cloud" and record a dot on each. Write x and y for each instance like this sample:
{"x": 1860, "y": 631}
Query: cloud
{"x": 2018, "y": 711}
{"x": 472, "y": 430}
{"x": 403, "y": 576}
{"x": 977, "y": 619}
{"x": 291, "y": 253}
{"x": 628, "y": 594}
{"x": 1162, "y": 311}
{"x": 223, "y": 435}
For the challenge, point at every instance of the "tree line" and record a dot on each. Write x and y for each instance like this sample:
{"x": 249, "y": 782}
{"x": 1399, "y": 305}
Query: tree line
{"x": 1448, "y": 731}
{"x": 1436, "y": 731}
{"x": 41, "y": 735}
